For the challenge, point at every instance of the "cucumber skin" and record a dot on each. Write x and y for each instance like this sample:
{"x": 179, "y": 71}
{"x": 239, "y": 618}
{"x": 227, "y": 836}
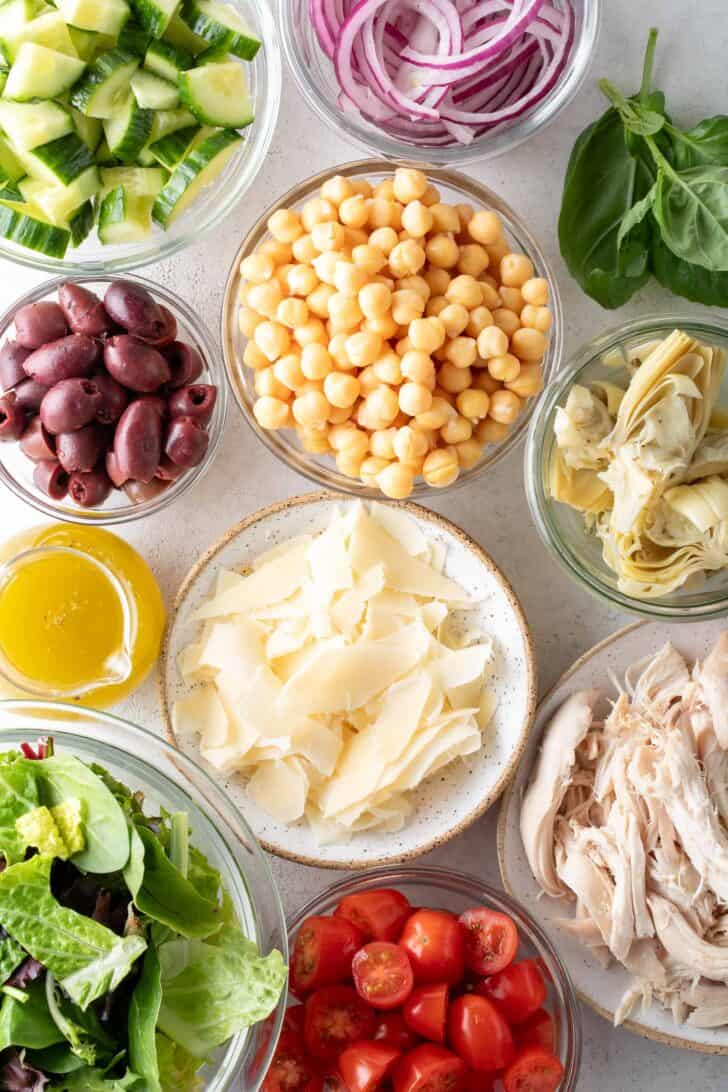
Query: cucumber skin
{"x": 112, "y": 208}
{"x": 136, "y": 136}
{"x": 189, "y": 101}
{"x": 171, "y": 149}
{"x": 134, "y": 39}
{"x": 188, "y": 170}
{"x": 217, "y": 35}
{"x": 70, "y": 151}
{"x": 167, "y": 61}
{"x": 82, "y": 223}
{"x": 150, "y": 16}
{"x": 33, "y": 234}
{"x": 98, "y": 74}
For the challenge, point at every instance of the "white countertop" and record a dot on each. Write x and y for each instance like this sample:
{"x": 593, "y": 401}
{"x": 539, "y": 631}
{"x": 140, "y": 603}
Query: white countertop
{"x": 691, "y": 67}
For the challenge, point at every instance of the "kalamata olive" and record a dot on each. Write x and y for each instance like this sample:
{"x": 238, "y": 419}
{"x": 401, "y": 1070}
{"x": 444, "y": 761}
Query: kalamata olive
{"x": 69, "y": 405}
{"x": 12, "y": 372}
{"x": 170, "y": 331}
{"x": 138, "y": 440}
{"x": 38, "y": 323}
{"x": 132, "y": 307}
{"x": 70, "y": 357}
{"x": 51, "y": 478}
{"x": 138, "y": 492}
{"x": 36, "y": 443}
{"x": 185, "y": 363}
{"x": 186, "y": 442}
{"x": 137, "y": 366}
{"x": 113, "y": 399}
{"x": 90, "y": 490}
{"x": 81, "y": 450}
{"x": 84, "y": 311}
{"x": 113, "y": 469}
{"x": 197, "y": 401}
{"x": 12, "y": 419}
{"x": 30, "y": 394}
{"x": 168, "y": 471}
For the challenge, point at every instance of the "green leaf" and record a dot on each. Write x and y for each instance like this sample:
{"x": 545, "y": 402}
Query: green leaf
{"x": 707, "y": 143}
{"x": 29, "y": 1024}
{"x": 11, "y": 956}
{"x": 130, "y": 802}
{"x": 691, "y": 208}
{"x": 683, "y": 279}
{"x": 636, "y": 116}
{"x": 89, "y": 1079}
{"x": 206, "y": 880}
{"x": 167, "y": 897}
{"x": 106, "y": 973}
{"x": 18, "y": 795}
{"x": 134, "y": 870}
{"x": 634, "y": 216}
{"x": 177, "y": 1067}
{"x": 55, "y": 1059}
{"x": 82, "y": 1031}
{"x": 143, "y": 1014}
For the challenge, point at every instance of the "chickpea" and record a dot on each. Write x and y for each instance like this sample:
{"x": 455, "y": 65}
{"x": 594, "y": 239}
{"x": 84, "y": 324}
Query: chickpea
{"x": 473, "y": 404}
{"x": 381, "y": 443}
{"x": 349, "y": 279}
{"x": 318, "y": 211}
{"x": 336, "y": 189}
{"x": 313, "y": 330}
{"x": 409, "y": 445}
{"x": 385, "y": 190}
{"x": 484, "y": 381}
{"x": 388, "y": 369}
{"x": 536, "y": 318}
{"x": 404, "y": 345}
{"x": 342, "y": 391}
{"x": 406, "y": 306}
{"x": 337, "y": 349}
{"x": 267, "y": 385}
{"x": 254, "y": 358}
{"x": 504, "y": 368}
{"x": 396, "y": 481}
{"x": 385, "y": 326}
{"x": 375, "y": 300}
{"x": 480, "y": 318}
{"x": 417, "y": 366}
{"x": 409, "y": 185}
{"x": 453, "y": 379}
{"x": 382, "y": 213}
{"x": 314, "y": 440}
{"x": 515, "y": 270}
{"x": 528, "y": 344}
{"x": 368, "y": 258}
{"x": 349, "y": 464}
{"x": 303, "y": 250}
{"x": 473, "y": 260}
{"x": 414, "y": 284}
{"x": 339, "y": 414}
{"x": 344, "y": 311}
{"x": 490, "y": 294}
{"x": 456, "y": 430}
{"x": 462, "y": 351}
{"x": 272, "y": 339}
{"x": 436, "y": 416}
{"x": 470, "y": 452}
{"x": 508, "y": 321}
{"x": 407, "y": 258}
{"x": 257, "y": 268}
{"x": 279, "y": 253}
{"x": 316, "y": 361}
{"x": 435, "y": 306}
{"x": 536, "y": 291}
{"x": 441, "y": 467}
{"x": 414, "y": 398}
{"x": 528, "y": 382}
{"x": 491, "y": 432}
{"x": 497, "y": 252}
{"x": 505, "y": 407}
{"x": 311, "y": 409}
{"x": 492, "y": 341}
{"x": 363, "y": 349}
{"x": 384, "y": 239}
{"x": 271, "y": 413}
{"x": 417, "y": 219}
{"x": 355, "y": 237}
{"x": 427, "y": 334}
{"x": 292, "y": 313}
{"x": 442, "y": 251}
{"x": 465, "y": 215}
{"x": 318, "y": 301}
{"x": 465, "y": 290}
{"x": 445, "y": 218}
{"x": 328, "y": 236}
{"x": 454, "y": 317}
{"x": 349, "y": 438}
{"x": 382, "y": 405}
{"x": 302, "y": 280}
{"x": 285, "y": 226}
{"x": 248, "y": 320}
{"x": 264, "y": 298}
{"x": 368, "y": 380}
{"x": 362, "y": 186}
{"x": 370, "y": 468}
{"x": 288, "y": 371}
{"x": 431, "y": 196}
{"x": 485, "y": 227}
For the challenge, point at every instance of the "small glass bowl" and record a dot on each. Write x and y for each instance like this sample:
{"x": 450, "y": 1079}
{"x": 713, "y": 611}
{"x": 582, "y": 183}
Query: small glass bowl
{"x": 455, "y": 188}
{"x": 561, "y": 528}
{"x": 169, "y": 779}
{"x": 458, "y": 891}
{"x": 216, "y": 201}
{"x": 314, "y": 74}
{"x": 16, "y": 471}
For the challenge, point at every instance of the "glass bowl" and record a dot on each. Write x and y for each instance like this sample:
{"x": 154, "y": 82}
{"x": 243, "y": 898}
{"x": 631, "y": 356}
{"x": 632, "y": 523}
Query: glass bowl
{"x": 215, "y": 202}
{"x": 314, "y": 74}
{"x": 561, "y": 527}
{"x": 455, "y": 188}
{"x": 171, "y": 780}
{"x": 457, "y": 891}
{"x": 16, "y": 472}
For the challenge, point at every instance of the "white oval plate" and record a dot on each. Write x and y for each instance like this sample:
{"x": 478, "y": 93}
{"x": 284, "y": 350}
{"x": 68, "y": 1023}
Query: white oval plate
{"x": 445, "y": 805}
{"x": 602, "y": 989}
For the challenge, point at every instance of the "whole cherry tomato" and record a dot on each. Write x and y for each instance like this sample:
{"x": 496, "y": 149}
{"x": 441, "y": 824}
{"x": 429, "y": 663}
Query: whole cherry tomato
{"x": 364, "y": 1066}
{"x": 322, "y": 953}
{"x": 382, "y": 974}
{"x": 435, "y": 944}
{"x": 479, "y": 1034}
{"x": 379, "y": 914}
{"x": 534, "y": 1070}
{"x": 335, "y": 1017}
{"x": 518, "y": 991}
{"x": 491, "y": 940}
{"x": 430, "y": 1068}
{"x": 425, "y": 1011}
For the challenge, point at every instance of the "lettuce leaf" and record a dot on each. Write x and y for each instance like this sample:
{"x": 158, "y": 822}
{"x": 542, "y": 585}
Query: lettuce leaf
{"x": 11, "y": 956}
{"x": 83, "y": 1031}
{"x": 28, "y": 1024}
{"x": 143, "y": 1013}
{"x": 18, "y": 795}
{"x": 167, "y": 897}
{"x": 177, "y": 1067}
{"x": 89, "y": 1079}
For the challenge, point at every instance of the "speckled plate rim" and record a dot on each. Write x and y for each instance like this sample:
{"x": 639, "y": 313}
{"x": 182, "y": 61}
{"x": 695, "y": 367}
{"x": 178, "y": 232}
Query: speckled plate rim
{"x": 531, "y": 686}
{"x": 675, "y": 1041}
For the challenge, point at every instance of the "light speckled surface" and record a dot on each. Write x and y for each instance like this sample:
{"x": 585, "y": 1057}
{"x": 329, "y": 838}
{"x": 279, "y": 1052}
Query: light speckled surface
{"x": 691, "y": 65}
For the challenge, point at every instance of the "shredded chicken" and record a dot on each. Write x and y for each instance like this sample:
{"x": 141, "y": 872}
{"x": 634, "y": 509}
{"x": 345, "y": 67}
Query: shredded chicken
{"x": 628, "y": 817}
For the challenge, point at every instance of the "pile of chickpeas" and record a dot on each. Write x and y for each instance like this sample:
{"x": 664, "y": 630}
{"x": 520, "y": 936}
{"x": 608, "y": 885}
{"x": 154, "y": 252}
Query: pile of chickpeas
{"x": 395, "y": 332}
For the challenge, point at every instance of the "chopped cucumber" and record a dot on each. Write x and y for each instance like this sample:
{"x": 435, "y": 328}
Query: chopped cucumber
{"x": 134, "y": 39}
{"x": 58, "y": 203}
{"x": 47, "y": 30}
{"x": 217, "y": 94}
{"x": 213, "y": 55}
{"x": 103, "y": 155}
{"x": 29, "y": 124}
{"x": 180, "y": 35}
{"x": 90, "y": 130}
{"x": 4, "y": 73}
{"x": 101, "y": 16}
{"x": 20, "y": 224}
{"x": 154, "y": 93}
{"x": 10, "y": 165}
{"x": 129, "y": 130}
{"x": 167, "y": 61}
{"x": 169, "y": 121}
{"x": 105, "y": 85}
{"x": 82, "y": 223}
{"x": 171, "y": 149}
{"x": 41, "y": 73}
{"x": 137, "y": 181}
{"x": 200, "y": 167}
{"x": 87, "y": 44}
{"x": 222, "y": 26}
{"x": 123, "y": 218}
{"x": 14, "y": 15}
{"x": 9, "y": 190}
{"x": 59, "y": 161}
{"x": 155, "y": 15}
{"x": 145, "y": 158}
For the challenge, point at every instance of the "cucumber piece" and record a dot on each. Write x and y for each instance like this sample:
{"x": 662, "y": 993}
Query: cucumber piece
{"x": 41, "y": 73}
{"x": 90, "y": 130}
{"x": 222, "y": 26}
{"x": 4, "y": 73}
{"x": 10, "y": 165}
{"x": 137, "y": 181}
{"x": 14, "y": 16}
{"x": 82, "y": 223}
{"x": 129, "y": 130}
{"x": 171, "y": 149}
{"x": 58, "y": 203}
{"x": 145, "y": 158}
{"x": 9, "y": 191}
{"x": 29, "y": 124}
{"x": 213, "y": 55}
{"x": 217, "y": 94}
{"x": 22, "y": 225}
{"x": 101, "y": 16}
{"x": 59, "y": 161}
{"x": 179, "y": 34}
{"x": 47, "y": 30}
{"x": 123, "y": 218}
{"x": 154, "y": 93}
{"x": 165, "y": 60}
{"x": 134, "y": 39}
{"x": 104, "y": 156}
{"x": 87, "y": 44}
{"x": 200, "y": 167}
{"x": 169, "y": 121}
{"x": 106, "y": 84}
{"x": 155, "y": 15}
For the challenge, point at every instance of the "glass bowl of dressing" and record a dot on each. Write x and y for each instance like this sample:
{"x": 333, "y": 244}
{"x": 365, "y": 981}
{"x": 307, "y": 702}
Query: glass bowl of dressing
{"x": 81, "y": 616}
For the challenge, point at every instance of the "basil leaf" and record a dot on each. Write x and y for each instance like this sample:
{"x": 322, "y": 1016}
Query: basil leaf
{"x": 691, "y": 208}
{"x": 143, "y": 1014}
{"x": 634, "y": 216}
{"x": 29, "y": 1024}
{"x": 636, "y": 116}
{"x": 683, "y": 279}
{"x": 167, "y": 897}
{"x": 706, "y": 143}
{"x": 18, "y": 795}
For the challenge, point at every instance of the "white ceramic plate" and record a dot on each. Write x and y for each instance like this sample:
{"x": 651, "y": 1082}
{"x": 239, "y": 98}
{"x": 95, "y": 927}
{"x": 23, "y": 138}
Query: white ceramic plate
{"x": 457, "y": 795}
{"x": 602, "y": 989}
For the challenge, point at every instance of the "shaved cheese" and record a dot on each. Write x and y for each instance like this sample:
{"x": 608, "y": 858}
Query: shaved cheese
{"x": 201, "y": 714}
{"x": 273, "y": 582}
{"x": 347, "y": 612}
{"x": 401, "y": 528}
{"x": 279, "y": 550}
{"x": 328, "y": 558}
{"x": 280, "y": 788}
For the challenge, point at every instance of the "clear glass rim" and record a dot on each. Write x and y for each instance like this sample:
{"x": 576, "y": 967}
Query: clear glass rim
{"x": 469, "y": 886}
{"x": 486, "y": 147}
{"x": 220, "y": 813}
{"x": 297, "y": 459}
{"x": 540, "y": 505}
{"x": 128, "y": 512}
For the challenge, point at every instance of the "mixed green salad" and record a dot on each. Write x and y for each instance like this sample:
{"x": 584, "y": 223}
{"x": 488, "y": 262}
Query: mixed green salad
{"x": 122, "y": 963}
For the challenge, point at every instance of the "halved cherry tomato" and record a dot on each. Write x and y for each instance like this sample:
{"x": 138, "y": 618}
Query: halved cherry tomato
{"x": 538, "y": 1030}
{"x": 290, "y": 1071}
{"x": 292, "y": 1029}
{"x": 365, "y": 1065}
{"x": 379, "y": 914}
{"x": 382, "y": 974}
{"x": 425, "y": 1011}
{"x": 393, "y": 1031}
{"x": 335, "y": 1017}
{"x": 491, "y": 940}
{"x": 430, "y": 1068}
{"x": 323, "y": 953}
{"x": 518, "y": 991}
{"x": 481, "y": 1082}
{"x": 435, "y": 944}
{"x": 479, "y": 1034}
{"x": 534, "y": 1070}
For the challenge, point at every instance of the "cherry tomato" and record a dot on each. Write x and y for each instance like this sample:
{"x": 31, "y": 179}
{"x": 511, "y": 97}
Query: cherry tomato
{"x": 335, "y": 1017}
{"x": 534, "y": 1070}
{"x": 425, "y": 1011}
{"x": 481, "y": 1082}
{"x": 518, "y": 991}
{"x": 430, "y": 1068}
{"x": 393, "y": 1031}
{"x": 491, "y": 940}
{"x": 379, "y": 914}
{"x": 323, "y": 953}
{"x": 435, "y": 944}
{"x": 538, "y": 1030}
{"x": 292, "y": 1029}
{"x": 382, "y": 974}
{"x": 290, "y": 1071}
{"x": 479, "y": 1034}
{"x": 363, "y": 1066}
